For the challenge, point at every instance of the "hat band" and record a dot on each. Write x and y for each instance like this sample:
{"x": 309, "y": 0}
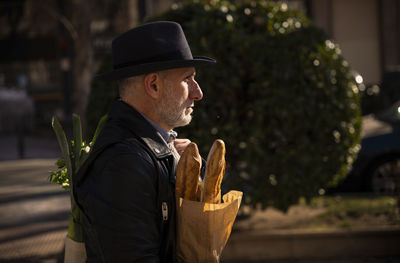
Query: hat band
{"x": 182, "y": 54}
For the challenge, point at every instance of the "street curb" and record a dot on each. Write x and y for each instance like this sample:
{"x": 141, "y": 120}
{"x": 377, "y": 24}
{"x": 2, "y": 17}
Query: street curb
{"x": 297, "y": 245}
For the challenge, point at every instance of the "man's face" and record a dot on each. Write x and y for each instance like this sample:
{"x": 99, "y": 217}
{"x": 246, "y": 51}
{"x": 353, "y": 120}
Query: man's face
{"x": 180, "y": 90}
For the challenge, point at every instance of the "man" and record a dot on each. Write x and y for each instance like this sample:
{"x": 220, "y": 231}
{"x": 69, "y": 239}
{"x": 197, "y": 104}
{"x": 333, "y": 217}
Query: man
{"x": 126, "y": 187}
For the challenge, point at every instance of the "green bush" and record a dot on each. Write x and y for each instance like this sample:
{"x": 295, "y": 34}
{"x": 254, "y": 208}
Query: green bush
{"x": 281, "y": 97}
{"x": 102, "y": 95}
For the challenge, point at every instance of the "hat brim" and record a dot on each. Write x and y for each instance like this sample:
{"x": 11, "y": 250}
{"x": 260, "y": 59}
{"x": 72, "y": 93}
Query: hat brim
{"x": 140, "y": 69}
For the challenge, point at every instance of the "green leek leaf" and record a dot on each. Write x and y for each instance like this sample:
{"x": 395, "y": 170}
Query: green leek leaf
{"x": 77, "y": 133}
{"x": 100, "y": 125}
{"x": 62, "y": 141}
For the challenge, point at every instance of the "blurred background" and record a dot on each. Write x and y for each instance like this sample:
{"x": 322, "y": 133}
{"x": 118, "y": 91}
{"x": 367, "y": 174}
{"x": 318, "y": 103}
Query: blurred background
{"x": 51, "y": 49}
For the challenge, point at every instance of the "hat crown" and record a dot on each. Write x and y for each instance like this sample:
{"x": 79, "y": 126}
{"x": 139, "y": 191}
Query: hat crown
{"x": 157, "y": 41}
{"x": 149, "y": 48}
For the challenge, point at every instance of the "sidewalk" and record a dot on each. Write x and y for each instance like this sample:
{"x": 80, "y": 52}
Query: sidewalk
{"x": 33, "y": 212}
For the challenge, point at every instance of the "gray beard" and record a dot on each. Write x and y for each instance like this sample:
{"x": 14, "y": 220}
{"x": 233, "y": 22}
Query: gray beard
{"x": 171, "y": 116}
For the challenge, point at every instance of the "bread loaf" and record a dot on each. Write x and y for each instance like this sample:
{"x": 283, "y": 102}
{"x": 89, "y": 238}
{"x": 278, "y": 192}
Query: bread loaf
{"x": 188, "y": 173}
{"x": 215, "y": 169}
{"x": 200, "y": 189}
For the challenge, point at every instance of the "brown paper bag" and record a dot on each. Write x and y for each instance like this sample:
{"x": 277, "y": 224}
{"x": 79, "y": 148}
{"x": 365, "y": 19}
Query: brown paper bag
{"x": 203, "y": 229}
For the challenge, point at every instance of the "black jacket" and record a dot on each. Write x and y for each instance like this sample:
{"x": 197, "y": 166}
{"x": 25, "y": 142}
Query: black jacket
{"x": 125, "y": 191}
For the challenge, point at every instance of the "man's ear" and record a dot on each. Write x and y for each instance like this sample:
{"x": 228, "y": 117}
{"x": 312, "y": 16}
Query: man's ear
{"x": 152, "y": 85}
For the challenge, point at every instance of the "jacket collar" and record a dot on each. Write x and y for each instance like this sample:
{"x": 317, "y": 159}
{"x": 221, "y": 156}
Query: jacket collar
{"x": 128, "y": 117}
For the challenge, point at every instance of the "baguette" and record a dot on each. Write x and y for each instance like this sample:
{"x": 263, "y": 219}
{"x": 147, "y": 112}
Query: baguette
{"x": 188, "y": 173}
{"x": 215, "y": 169}
{"x": 200, "y": 189}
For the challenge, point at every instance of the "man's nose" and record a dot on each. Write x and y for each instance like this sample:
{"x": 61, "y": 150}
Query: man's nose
{"x": 195, "y": 92}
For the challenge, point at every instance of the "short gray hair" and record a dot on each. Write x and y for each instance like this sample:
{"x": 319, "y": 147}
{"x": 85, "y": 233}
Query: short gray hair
{"x": 125, "y": 84}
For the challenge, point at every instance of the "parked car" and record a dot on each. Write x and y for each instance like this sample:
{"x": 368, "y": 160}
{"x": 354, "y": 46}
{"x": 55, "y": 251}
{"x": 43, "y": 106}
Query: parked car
{"x": 377, "y": 167}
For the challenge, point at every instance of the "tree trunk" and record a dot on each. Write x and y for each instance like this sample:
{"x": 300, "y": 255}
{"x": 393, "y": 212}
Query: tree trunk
{"x": 82, "y": 68}
{"x": 83, "y": 57}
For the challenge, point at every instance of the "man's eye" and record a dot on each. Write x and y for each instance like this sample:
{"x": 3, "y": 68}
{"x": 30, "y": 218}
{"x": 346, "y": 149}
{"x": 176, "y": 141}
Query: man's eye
{"x": 189, "y": 78}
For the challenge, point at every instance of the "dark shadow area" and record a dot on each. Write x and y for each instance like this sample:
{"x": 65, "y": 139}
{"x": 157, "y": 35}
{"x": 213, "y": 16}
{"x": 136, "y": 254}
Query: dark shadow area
{"x": 40, "y": 146}
{"x": 33, "y": 233}
{"x": 59, "y": 257}
{"x": 17, "y": 170}
{"x": 50, "y": 217}
{"x": 26, "y": 181}
{"x": 30, "y": 197}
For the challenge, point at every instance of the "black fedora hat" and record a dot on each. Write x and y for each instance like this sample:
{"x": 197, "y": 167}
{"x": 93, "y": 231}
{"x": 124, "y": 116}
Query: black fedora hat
{"x": 150, "y": 48}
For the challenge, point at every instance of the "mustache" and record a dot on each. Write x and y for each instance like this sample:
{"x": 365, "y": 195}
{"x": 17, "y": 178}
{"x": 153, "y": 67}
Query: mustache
{"x": 190, "y": 105}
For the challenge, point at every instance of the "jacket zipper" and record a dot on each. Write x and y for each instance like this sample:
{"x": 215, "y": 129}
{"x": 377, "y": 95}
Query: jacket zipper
{"x": 165, "y": 211}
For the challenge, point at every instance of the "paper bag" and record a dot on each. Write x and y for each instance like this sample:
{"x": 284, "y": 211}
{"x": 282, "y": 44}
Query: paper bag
{"x": 203, "y": 229}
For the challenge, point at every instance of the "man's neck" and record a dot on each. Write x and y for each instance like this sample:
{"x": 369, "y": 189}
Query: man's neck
{"x": 146, "y": 107}
{"x": 165, "y": 132}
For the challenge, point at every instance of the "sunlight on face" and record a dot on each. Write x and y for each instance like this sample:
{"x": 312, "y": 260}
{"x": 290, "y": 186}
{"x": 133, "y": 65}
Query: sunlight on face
{"x": 176, "y": 105}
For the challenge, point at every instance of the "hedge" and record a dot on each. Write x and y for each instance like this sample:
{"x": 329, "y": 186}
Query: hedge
{"x": 281, "y": 96}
